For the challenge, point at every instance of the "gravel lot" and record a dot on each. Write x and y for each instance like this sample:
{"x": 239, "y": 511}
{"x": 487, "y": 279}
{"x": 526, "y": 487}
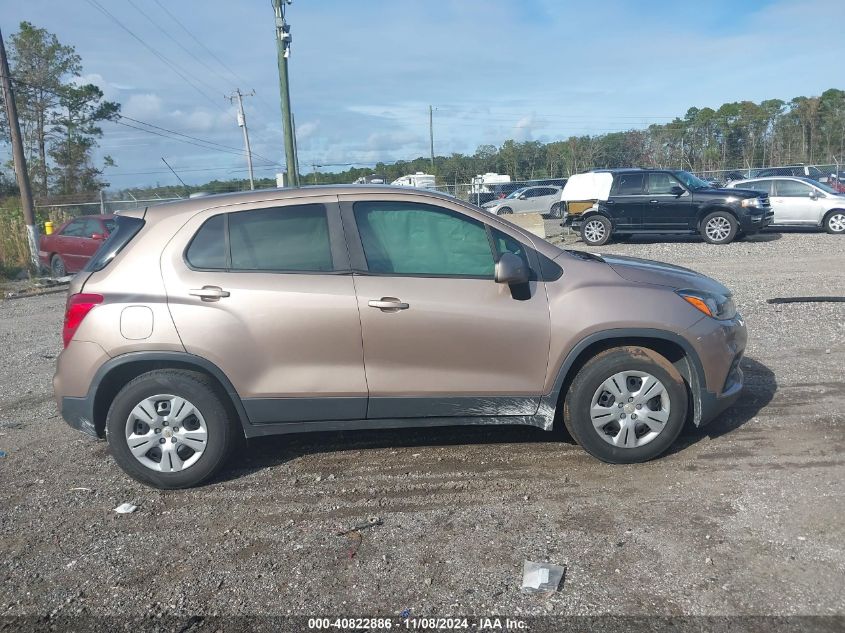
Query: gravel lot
{"x": 742, "y": 517}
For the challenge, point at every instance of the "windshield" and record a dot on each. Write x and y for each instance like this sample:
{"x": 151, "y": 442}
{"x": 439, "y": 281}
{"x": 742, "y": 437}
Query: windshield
{"x": 690, "y": 181}
{"x": 515, "y": 194}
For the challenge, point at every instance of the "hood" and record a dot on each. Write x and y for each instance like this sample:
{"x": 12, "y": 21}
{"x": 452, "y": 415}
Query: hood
{"x": 739, "y": 192}
{"x": 645, "y": 271}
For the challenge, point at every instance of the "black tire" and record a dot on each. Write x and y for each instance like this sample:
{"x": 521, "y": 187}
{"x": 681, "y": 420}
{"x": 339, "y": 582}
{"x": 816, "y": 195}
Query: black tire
{"x": 719, "y": 227}
{"x": 192, "y": 386}
{"x": 505, "y": 211}
{"x": 596, "y": 230}
{"x": 57, "y": 267}
{"x": 556, "y": 212}
{"x": 579, "y": 401}
{"x": 834, "y": 222}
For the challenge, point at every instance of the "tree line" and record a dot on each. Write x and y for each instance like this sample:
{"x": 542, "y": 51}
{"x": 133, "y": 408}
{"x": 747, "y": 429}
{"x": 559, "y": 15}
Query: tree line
{"x": 59, "y": 115}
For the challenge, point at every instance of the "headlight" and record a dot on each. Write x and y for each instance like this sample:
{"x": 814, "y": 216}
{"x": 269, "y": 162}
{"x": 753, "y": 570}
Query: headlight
{"x": 752, "y": 202}
{"x": 714, "y": 305}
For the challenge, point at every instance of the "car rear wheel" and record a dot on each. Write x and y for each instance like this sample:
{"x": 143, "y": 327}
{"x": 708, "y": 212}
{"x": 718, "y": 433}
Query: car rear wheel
{"x": 834, "y": 222}
{"x": 596, "y": 230}
{"x": 719, "y": 227}
{"x": 556, "y": 212}
{"x": 170, "y": 429}
{"x": 505, "y": 211}
{"x": 57, "y": 267}
{"x": 626, "y": 405}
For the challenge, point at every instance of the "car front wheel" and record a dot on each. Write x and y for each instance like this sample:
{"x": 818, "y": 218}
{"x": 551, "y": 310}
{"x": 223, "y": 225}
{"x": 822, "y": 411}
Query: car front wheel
{"x": 169, "y": 429}
{"x": 596, "y": 230}
{"x": 626, "y": 405}
{"x": 834, "y": 222}
{"x": 720, "y": 227}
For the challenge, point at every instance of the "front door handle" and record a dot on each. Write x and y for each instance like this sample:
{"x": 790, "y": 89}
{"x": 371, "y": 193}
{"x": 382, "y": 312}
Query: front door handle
{"x": 388, "y": 304}
{"x": 209, "y": 293}
{"x": 653, "y": 201}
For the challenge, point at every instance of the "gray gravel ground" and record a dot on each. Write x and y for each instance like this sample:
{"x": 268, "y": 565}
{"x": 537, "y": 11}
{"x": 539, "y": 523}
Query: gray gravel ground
{"x": 742, "y": 517}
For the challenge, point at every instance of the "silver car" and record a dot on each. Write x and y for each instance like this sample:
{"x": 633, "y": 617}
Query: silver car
{"x": 800, "y": 201}
{"x": 539, "y": 199}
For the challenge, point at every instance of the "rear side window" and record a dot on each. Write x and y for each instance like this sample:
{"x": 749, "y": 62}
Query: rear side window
{"x": 763, "y": 186}
{"x": 75, "y": 228}
{"x": 407, "y": 238}
{"x": 278, "y": 239}
{"x": 208, "y": 248}
{"x": 628, "y": 185}
{"x": 294, "y": 238}
{"x": 125, "y": 228}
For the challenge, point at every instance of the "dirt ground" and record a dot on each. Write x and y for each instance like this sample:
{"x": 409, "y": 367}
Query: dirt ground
{"x": 742, "y": 517}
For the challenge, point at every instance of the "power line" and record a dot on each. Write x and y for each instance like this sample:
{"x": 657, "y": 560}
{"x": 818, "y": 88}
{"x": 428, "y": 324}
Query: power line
{"x": 170, "y": 64}
{"x": 177, "y": 42}
{"x": 238, "y": 79}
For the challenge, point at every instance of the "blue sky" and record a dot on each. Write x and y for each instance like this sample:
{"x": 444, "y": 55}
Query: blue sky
{"x": 363, "y": 73}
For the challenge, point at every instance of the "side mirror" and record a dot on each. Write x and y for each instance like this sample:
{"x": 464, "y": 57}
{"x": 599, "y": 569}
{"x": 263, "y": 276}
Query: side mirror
{"x": 97, "y": 236}
{"x": 510, "y": 269}
{"x": 677, "y": 191}
{"x": 814, "y": 195}
{"x": 521, "y": 196}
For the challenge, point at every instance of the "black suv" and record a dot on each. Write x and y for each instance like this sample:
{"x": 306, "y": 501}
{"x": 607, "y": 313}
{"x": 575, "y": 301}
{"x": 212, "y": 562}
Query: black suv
{"x": 663, "y": 201}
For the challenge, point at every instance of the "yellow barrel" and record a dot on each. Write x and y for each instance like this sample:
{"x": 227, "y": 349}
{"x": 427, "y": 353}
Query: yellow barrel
{"x": 48, "y": 227}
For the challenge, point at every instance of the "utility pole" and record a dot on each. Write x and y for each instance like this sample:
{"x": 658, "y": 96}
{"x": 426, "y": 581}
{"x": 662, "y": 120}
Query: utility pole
{"x": 19, "y": 159}
{"x": 242, "y": 123}
{"x": 431, "y": 134}
{"x": 283, "y": 40}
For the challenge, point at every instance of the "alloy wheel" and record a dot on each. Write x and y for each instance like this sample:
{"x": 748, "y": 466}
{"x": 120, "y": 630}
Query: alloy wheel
{"x": 630, "y": 409}
{"x": 594, "y": 230}
{"x": 836, "y": 222}
{"x": 166, "y": 433}
{"x": 717, "y": 228}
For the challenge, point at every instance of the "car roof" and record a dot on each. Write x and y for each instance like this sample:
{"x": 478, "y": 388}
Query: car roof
{"x": 188, "y": 205}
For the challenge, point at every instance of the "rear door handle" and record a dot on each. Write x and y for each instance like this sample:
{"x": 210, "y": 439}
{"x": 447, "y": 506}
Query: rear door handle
{"x": 209, "y": 293}
{"x": 388, "y": 304}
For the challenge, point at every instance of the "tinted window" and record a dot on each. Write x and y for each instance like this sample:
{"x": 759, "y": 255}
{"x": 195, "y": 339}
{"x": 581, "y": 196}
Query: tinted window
{"x": 763, "y": 186}
{"x": 121, "y": 233}
{"x": 282, "y": 238}
{"x": 208, "y": 248}
{"x": 628, "y": 184}
{"x": 660, "y": 183}
{"x": 109, "y": 224}
{"x": 792, "y": 188}
{"x": 407, "y": 238}
{"x": 75, "y": 229}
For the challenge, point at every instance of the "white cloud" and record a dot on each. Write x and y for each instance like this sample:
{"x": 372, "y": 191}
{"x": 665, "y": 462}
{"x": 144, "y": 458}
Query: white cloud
{"x": 142, "y": 106}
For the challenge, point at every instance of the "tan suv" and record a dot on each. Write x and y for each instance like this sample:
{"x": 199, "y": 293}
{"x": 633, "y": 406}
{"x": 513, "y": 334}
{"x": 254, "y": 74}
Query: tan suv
{"x": 327, "y": 308}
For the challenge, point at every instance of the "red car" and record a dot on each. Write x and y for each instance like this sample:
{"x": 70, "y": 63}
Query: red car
{"x": 69, "y": 249}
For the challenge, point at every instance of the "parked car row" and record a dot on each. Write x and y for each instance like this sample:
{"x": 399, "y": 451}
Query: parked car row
{"x": 604, "y": 204}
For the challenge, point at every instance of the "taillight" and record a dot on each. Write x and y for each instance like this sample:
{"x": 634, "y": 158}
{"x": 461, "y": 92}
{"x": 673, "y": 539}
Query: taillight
{"x": 77, "y": 308}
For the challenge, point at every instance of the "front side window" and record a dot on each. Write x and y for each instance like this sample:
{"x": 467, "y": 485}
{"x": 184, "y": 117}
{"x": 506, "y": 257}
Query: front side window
{"x": 407, "y": 238}
{"x": 628, "y": 185}
{"x": 661, "y": 184}
{"x": 76, "y": 228}
{"x": 506, "y": 244}
{"x": 792, "y": 189}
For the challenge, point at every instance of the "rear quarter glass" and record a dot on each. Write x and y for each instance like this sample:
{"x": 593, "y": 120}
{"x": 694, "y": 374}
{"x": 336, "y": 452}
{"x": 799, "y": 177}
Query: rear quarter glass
{"x": 125, "y": 228}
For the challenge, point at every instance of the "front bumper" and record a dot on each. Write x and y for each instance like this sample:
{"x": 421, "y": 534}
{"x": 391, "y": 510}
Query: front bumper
{"x": 753, "y": 223}
{"x": 720, "y": 346}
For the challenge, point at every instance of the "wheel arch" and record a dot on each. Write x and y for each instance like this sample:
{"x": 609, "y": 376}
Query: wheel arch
{"x": 117, "y": 372}
{"x": 713, "y": 208}
{"x": 828, "y": 213}
{"x": 673, "y": 347}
